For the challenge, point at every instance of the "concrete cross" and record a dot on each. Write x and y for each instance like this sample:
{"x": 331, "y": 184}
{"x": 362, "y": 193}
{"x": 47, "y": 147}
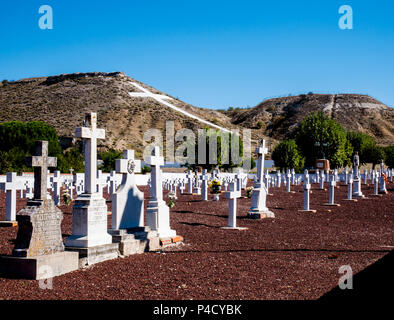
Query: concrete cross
{"x": 90, "y": 133}
{"x": 10, "y": 186}
{"x": 232, "y": 195}
{"x": 261, "y": 150}
{"x": 128, "y": 164}
{"x": 57, "y": 182}
{"x": 155, "y": 161}
{"x": 41, "y": 162}
{"x": 204, "y": 178}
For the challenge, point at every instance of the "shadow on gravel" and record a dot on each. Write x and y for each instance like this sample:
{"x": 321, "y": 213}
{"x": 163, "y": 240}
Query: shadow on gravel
{"x": 328, "y": 251}
{"x": 374, "y": 282}
{"x": 196, "y": 224}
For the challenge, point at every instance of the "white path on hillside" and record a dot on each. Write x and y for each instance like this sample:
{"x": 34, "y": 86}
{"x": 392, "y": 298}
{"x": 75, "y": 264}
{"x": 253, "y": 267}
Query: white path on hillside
{"x": 160, "y": 98}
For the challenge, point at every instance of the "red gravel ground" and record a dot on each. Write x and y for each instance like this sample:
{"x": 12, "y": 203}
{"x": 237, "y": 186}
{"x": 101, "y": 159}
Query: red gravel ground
{"x": 294, "y": 256}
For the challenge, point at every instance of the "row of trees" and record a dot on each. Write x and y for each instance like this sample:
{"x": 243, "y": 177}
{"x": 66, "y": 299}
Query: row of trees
{"x": 319, "y": 136}
{"x": 17, "y": 141}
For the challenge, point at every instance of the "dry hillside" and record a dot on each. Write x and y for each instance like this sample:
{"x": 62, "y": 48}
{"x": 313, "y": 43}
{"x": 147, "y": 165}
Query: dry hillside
{"x": 62, "y": 101}
{"x": 281, "y": 116}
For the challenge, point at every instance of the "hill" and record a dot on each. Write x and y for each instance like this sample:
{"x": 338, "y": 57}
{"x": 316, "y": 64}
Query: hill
{"x": 62, "y": 100}
{"x": 280, "y": 117}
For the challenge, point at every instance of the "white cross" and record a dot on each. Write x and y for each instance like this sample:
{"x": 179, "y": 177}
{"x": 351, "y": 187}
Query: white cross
{"x": 128, "y": 164}
{"x": 261, "y": 150}
{"x": 90, "y": 134}
{"x": 10, "y": 186}
{"x": 155, "y": 161}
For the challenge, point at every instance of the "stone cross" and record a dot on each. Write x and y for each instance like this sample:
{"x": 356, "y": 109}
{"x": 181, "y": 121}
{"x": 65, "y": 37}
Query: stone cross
{"x": 189, "y": 177}
{"x": 307, "y": 188}
{"x": 158, "y": 213}
{"x": 10, "y": 186}
{"x": 57, "y": 183}
{"x": 155, "y": 161}
{"x": 89, "y": 134}
{"x": 41, "y": 162}
{"x": 261, "y": 150}
{"x": 204, "y": 178}
{"x": 232, "y": 195}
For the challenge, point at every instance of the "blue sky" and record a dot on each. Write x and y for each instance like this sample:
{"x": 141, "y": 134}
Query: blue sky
{"x": 208, "y": 53}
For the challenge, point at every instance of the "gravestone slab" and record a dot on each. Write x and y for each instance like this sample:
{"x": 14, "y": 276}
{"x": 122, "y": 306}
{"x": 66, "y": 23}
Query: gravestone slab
{"x": 39, "y": 242}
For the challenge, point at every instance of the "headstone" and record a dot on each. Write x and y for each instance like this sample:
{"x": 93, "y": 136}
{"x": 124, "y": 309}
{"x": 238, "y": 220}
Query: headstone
{"x": 158, "y": 213}
{"x": 232, "y": 196}
{"x": 10, "y": 186}
{"x": 333, "y": 184}
{"x": 57, "y": 183}
{"x": 39, "y": 251}
{"x": 350, "y": 189}
{"x": 89, "y": 224}
{"x": 204, "y": 178}
{"x": 356, "y": 178}
{"x": 307, "y": 188}
{"x": 382, "y": 183}
{"x": 189, "y": 177}
{"x": 127, "y": 200}
{"x": 258, "y": 209}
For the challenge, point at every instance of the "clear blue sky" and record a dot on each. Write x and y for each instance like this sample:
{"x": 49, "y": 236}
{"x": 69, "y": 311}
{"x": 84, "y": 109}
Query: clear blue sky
{"x": 208, "y": 53}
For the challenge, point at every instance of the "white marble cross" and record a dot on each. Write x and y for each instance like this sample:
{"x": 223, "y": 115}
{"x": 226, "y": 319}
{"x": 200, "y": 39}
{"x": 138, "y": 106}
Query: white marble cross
{"x": 10, "y": 186}
{"x": 90, "y": 133}
{"x": 261, "y": 150}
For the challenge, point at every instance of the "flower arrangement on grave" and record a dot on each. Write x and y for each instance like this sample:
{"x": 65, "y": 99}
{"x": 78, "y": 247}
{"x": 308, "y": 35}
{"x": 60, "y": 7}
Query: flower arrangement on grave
{"x": 249, "y": 191}
{"x": 66, "y": 197}
{"x": 172, "y": 197}
{"x": 214, "y": 185}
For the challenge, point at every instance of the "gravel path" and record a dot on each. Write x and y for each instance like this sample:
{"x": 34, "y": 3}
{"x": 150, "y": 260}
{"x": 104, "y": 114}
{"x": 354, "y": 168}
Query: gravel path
{"x": 294, "y": 256}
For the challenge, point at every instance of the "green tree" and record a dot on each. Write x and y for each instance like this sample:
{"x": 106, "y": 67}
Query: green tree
{"x": 389, "y": 156}
{"x": 287, "y": 156}
{"x": 319, "y": 134}
{"x": 72, "y": 158}
{"x": 225, "y": 163}
{"x": 109, "y": 158}
{"x": 363, "y": 144}
{"x": 375, "y": 155}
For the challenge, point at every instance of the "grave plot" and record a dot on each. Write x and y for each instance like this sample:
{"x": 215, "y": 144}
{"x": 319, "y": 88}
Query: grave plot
{"x": 296, "y": 255}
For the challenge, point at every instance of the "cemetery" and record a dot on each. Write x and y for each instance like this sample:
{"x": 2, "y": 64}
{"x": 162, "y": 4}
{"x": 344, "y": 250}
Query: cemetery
{"x": 187, "y": 235}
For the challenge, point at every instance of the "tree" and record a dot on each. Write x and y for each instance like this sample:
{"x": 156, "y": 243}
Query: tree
{"x": 287, "y": 156}
{"x": 109, "y": 158}
{"x": 363, "y": 144}
{"x": 375, "y": 155}
{"x": 71, "y": 159}
{"x": 226, "y": 163}
{"x": 319, "y": 134}
{"x": 389, "y": 156}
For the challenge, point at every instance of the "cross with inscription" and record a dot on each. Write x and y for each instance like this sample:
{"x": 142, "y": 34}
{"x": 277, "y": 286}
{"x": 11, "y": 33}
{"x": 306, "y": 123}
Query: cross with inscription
{"x": 41, "y": 162}
{"x": 90, "y": 133}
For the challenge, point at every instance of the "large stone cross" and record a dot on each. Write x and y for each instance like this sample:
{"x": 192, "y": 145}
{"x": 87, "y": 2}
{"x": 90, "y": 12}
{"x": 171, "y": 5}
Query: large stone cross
{"x": 90, "y": 133}
{"x": 261, "y": 150}
{"x": 155, "y": 161}
{"x": 41, "y": 162}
